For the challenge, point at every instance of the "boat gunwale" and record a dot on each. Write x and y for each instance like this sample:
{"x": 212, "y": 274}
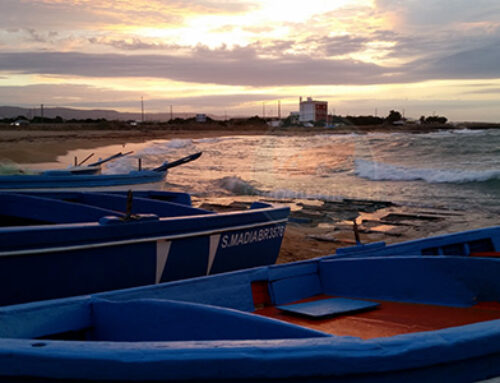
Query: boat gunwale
{"x": 337, "y": 355}
{"x": 137, "y": 240}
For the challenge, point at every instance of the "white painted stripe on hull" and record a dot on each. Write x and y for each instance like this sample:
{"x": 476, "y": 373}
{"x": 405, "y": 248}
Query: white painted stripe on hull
{"x": 162, "y": 251}
{"x": 138, "y": 240}
{"x": 214, "y": 244}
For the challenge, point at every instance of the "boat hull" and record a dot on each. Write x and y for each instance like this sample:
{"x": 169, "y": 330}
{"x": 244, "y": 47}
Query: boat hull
{"x": 81, "y": 182}
{"x": 57, "y": 260}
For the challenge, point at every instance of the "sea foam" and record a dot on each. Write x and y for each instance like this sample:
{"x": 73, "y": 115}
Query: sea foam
{"x": 377, "y": 171}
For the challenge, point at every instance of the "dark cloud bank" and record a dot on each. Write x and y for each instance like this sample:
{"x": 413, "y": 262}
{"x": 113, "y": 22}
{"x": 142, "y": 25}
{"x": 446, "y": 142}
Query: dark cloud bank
{"x": 244, "y": 67}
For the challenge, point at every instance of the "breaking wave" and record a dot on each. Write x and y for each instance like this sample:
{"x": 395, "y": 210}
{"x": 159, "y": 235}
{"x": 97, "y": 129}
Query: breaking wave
{"x": 236, "y": 185}
{"x": 151, "y": 156}
{"x": 376, "y": 171}
{"x": 160, "y": 148}
{"x": 11, "y": 168}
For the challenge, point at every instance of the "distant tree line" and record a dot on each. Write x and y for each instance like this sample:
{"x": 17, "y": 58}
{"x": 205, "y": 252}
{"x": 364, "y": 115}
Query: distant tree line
{"x": 365, "y": 120}
{"x": 55, "y": 120}
{"x": 433, "y": 119}
{"x": 392, "y": 117}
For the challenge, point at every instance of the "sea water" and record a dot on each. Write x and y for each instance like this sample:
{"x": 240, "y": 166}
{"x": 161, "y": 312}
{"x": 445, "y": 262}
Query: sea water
{"x": 456, "y": 169}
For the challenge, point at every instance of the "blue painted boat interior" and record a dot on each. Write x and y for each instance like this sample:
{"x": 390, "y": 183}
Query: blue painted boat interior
{"x": 71, "y": 207}
{"x": 88, "y": 210}
{"x": 205, "y": 328}
{"x": 204, "y": 308}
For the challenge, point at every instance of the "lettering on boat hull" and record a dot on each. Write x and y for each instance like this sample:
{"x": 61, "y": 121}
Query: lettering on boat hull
{"x": 252, "y": 236}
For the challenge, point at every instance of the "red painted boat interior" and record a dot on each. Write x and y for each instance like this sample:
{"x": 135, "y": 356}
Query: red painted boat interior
{"x": 492, "y": 254}
{"x": 390, "y": 318}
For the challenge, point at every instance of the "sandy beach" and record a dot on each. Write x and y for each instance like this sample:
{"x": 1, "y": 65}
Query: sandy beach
{"x": 316, "y": 228}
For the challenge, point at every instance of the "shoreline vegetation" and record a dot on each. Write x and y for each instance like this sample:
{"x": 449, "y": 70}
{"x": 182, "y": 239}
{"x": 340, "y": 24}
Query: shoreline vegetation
{"x": 317, "y": 227}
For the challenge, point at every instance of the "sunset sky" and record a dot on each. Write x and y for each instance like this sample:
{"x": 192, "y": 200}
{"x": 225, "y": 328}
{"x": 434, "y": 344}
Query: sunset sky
{"x": 229, "y": 56}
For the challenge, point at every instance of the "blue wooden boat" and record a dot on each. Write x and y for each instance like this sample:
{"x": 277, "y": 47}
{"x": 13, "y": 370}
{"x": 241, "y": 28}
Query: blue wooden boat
{"x": 86, "y": 178}
{"x": 476, "y": 243}
{"x": 80, "y": 169}
{"x": 56, "y": 244}
{"x": 382, "y": 319}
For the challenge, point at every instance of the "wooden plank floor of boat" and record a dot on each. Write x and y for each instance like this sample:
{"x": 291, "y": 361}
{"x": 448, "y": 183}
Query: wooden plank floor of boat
{"x": 391, "y": 318}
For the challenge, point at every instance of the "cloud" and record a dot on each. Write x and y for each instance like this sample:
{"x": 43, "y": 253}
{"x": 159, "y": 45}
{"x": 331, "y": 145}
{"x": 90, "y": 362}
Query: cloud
{"x": 56, "y": 94}
{"x": 91, "y": 14}
{"x": 485, "y": 91}
{"x": 51, "y": 15}
{"x": 467, "y": 64}
{"x": 338, "y": 45}
{"x": 133, "y": 43}
{"x": 245, "y": 66}
{"x": 432, "y": 12}
{"x": 231, "y": 67}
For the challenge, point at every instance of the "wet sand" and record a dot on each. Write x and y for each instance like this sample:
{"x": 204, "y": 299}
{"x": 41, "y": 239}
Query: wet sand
{"x": 316, "y": 228}
{"x": 34, "y": 146}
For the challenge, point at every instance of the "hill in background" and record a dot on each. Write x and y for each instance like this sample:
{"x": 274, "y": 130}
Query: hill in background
{"x": 94, "y": 114}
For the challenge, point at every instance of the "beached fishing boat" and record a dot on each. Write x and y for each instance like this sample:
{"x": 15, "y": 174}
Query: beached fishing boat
{"x": 57, "y": 244}
{"x": 396, "y": 319}
{"x": 85, "y": 178}
{"x": 79, "y": 168}
{"x": 475, "y": 243}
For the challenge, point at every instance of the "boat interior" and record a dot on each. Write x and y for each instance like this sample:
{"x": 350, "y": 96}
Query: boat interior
{"x": 363, "y": 298}
{"x": 42, "y": 208}
{"x": 478, "y": 243}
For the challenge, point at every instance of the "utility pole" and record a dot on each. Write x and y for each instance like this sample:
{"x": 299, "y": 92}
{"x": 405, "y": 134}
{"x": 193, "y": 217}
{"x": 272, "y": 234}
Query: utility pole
{"x": 41, "y": 111}
{"x": 171, "y": 113}
{"x": 279, "y": 109}
{"x": 142, "y": 109}
{"x": 263, "y": 110}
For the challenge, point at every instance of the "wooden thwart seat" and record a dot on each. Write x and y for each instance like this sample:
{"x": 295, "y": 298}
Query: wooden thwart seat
{"x": 328, "y": 307}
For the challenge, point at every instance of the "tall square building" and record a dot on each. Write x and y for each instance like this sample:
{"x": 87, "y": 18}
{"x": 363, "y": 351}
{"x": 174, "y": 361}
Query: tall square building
{"x": 311, "y": 110}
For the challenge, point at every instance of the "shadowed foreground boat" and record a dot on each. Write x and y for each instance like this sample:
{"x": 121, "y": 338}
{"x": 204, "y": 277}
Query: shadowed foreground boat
{"x": 397, "y": 319}
{"x": 57, "y": 244}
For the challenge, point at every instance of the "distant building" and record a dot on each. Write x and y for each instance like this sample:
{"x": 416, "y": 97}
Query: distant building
{"x": 274, "y": 123}
{"x": 399, "y": 122}
{"x": 311, "y": 110}
{"x": 201, "y": 118}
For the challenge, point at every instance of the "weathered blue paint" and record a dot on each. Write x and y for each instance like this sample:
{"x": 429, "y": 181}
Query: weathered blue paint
{"x": 85, "y": 177}
{"x": 164, "y": 320}
{"x": 463, "y": 244}
{"x": 73, "y": 246}
{"x": 203, "y": 329}
{"x": 65, "y": 181}
{"x": 434, "y": 280}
